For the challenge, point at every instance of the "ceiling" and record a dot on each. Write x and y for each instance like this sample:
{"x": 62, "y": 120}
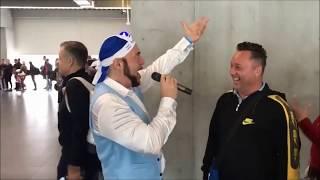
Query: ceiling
{"x": 62, "y": 3}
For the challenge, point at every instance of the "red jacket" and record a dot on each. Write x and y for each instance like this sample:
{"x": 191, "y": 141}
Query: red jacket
{"x": 312, "y": 131}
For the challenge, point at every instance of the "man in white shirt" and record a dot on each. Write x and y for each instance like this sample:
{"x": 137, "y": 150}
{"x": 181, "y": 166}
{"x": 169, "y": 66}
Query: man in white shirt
{"x": 128, "y": 141}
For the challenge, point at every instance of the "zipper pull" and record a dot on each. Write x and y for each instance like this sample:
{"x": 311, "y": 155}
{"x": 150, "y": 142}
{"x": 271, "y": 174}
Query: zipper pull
{"x": 238, "y": 107}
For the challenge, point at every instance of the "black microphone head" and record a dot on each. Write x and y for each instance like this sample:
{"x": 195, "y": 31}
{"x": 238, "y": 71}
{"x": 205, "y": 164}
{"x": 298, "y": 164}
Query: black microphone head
{"x": 156, "y": 76}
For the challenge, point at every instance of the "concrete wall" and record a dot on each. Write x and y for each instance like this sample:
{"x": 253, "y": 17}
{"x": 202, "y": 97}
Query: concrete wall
{"x": 289, "y": 30}
{"x": 7, "y": 32}
{"x": 155, "y": 30}
{"x": 42, "y": 31}
{"x": 3, "y": 45}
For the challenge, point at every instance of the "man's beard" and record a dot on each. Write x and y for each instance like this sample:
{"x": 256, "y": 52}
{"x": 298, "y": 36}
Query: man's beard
{"x": 133, "y": 79}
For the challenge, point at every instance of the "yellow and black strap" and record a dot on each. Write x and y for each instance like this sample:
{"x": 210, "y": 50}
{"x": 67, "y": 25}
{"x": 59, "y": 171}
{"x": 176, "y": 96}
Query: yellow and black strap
{"x": 293, "y": 139}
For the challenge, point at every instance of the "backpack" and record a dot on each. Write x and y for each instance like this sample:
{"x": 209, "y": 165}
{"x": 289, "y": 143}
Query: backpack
{"x": 90, "y": 88}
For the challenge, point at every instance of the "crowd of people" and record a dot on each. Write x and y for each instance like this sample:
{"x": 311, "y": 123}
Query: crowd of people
{"x": 19, "y": 71}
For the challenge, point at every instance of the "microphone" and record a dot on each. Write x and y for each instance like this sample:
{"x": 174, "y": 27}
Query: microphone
{"x": 157, "y": 76}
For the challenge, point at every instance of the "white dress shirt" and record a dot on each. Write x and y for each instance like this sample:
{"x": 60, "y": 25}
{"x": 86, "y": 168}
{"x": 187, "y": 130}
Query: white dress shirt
{"x": 115, "y": 120}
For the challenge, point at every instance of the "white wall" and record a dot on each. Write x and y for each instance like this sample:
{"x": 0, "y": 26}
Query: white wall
{"x": 4, "y": 17}
{"x": 3, "y": 44}
{"x": 41, "y": 31}
{"x": 156, "y": 26}
{"x": 7, "y": 47}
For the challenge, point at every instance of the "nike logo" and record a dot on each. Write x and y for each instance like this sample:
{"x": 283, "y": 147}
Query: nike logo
{"x": 247, "y": 121}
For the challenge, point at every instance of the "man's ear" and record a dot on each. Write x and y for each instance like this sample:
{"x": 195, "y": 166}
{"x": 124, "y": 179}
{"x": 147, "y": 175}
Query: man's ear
{"x": 258, "y": 70}
{"x": 69, "y": 60}
{"x": 117, "y": 63}
{"x": 121, "y": 63}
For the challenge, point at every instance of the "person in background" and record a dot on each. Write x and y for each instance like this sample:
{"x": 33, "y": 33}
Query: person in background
{"x": 16, "y": 70}
{"x": 312, "y": 131}
{"x": 89, "y": 69}
{"x": 59, "y": 79}
{"x": 47, "y": 70}
{"x": 21, "y": 76}
{"x": 33, "y": 71}
{"x": 17, "y": 64}
{"x": 2, "y": 80}
{"x": 78, "y": 156}
{"x": 8, "y": 74}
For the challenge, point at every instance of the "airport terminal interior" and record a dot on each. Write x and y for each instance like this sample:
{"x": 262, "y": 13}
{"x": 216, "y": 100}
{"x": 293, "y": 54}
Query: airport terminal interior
{"x": 32, "y": 31}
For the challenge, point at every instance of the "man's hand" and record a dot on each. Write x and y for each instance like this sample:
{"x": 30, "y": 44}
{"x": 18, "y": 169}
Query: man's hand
{"x": 168, "y": 86}
{"x": 196, "y": 29}
{"x": 74, "y": 173}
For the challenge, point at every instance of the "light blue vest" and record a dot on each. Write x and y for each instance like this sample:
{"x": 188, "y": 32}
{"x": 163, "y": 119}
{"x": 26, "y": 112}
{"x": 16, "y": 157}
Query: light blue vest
{"x": 117, "y": 161}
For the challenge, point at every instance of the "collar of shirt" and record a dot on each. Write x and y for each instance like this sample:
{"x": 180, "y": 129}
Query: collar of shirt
{"x": 238, "y": 95}
{"x": 241, "y": 99}
{"x": 123, "y": 91}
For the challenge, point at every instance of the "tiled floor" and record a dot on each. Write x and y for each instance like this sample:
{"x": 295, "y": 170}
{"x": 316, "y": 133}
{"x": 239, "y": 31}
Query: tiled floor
{"x": 29, "y": 145}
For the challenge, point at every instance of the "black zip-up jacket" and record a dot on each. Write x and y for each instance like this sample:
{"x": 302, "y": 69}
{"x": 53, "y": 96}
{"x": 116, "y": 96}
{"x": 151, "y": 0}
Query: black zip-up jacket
{"x": 258, "y": 149}
{"x": 73, "y": 127}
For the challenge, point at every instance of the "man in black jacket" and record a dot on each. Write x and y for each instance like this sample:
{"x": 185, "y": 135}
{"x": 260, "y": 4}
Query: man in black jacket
{"x": 73, "y": 124}
{"x": 253, "y": 134}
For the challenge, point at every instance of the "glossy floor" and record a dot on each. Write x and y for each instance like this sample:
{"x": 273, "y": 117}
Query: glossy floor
{"x": 29, "y": 146}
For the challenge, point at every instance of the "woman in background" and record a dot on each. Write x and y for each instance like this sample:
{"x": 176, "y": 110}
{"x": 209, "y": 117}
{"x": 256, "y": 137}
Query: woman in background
{"x": 312, "y": 131}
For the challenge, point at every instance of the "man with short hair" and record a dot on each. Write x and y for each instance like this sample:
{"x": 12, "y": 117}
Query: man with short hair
{"x": 253, "y": 134}
{"x": 128, "y": 141}
{"x": 77, "y": 156}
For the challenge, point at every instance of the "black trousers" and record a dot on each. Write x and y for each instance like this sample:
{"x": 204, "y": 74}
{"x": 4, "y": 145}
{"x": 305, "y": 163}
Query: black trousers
{"x": 34, "y": 81}
{"x": 90, "y": 171}
{"x": 8, "y": 81}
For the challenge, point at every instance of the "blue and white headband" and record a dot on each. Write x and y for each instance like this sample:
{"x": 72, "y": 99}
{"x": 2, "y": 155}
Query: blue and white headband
{"x": 116, "y": 46}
